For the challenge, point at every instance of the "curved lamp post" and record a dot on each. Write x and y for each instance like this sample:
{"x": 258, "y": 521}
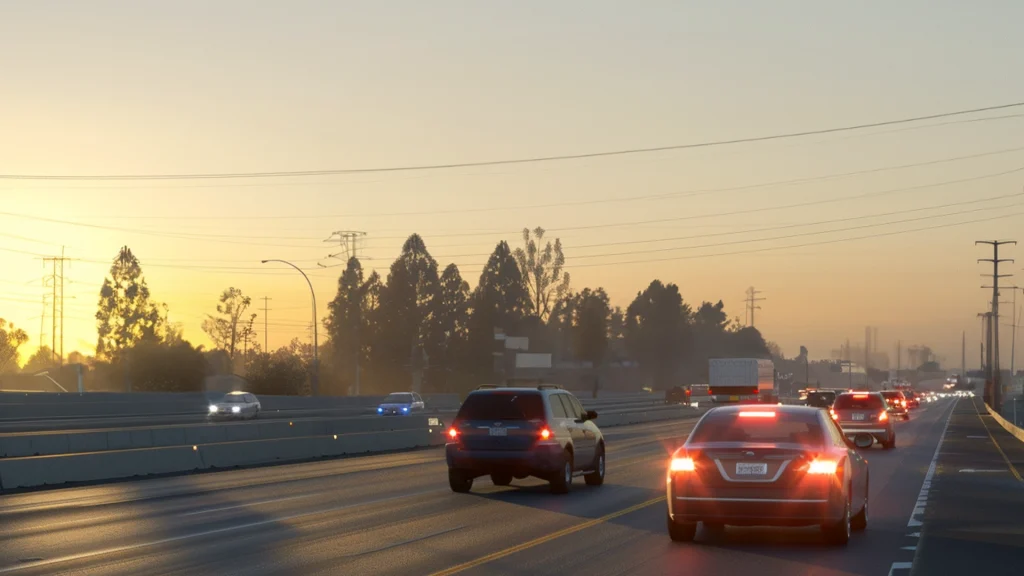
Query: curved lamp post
{"x": 316, "y": 365}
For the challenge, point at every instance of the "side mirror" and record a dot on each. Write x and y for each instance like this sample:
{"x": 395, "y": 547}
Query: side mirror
{"x": 591, "y": 415}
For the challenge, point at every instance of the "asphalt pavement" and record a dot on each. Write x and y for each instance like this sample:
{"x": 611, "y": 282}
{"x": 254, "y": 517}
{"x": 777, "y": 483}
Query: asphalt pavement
{"x": 394, "y": 514}
{"x": 973, "y": 511}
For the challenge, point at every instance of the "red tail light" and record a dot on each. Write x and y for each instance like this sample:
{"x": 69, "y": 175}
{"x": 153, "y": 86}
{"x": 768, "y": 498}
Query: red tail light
{"x": 883, "y": 416}
{"x": 453, "y": 433}
{"x": 682, "y": 465}
{"x": 823, "y": 467}
{"x": 545, "y": 433}
{"x": 833, "y": 413}
{"x": 757, "y": 414}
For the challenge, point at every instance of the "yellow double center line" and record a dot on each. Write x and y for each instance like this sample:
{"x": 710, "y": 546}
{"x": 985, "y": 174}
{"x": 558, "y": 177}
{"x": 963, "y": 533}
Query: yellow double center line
{"x": 545, "y": 539}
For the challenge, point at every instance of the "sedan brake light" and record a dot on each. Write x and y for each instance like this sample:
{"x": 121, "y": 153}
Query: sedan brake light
{"x": 682, "y": 465}
{"x": 833, "y": 413}
{"x": 822, "y": 467}
{"x": 545, "y": 433}
{"x": 453, "y": 433}
{"x": 757, "y": 414}
{"x": 883, "y": 416}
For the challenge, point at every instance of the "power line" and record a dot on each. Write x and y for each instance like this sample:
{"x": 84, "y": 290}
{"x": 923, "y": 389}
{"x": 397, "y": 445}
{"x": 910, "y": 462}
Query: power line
{"x": 536, "y": 159}
{"x": 505, "y": 208}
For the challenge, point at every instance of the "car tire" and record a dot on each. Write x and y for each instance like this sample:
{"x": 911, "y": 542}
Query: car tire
{"x": 501, "y": 479}
{"x": 838, "y": 533}
{"x": 859, "y": 523}
{"x": 561, "y": 481}
{"x": 681, "y": 531}
{"x": 890, "y": 444}
{"x": 459, "y": 482}
{"x": 596, "y": 478}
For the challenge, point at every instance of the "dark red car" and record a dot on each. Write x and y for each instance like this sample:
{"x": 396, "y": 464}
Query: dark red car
{"x": 767, "y": 466}
{"x": 897, "y": 403}
{"x": 913, "y": 398}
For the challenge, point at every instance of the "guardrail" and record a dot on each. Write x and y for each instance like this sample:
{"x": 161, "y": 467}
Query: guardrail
{"x": 35, "y": 460}
{"x": 1017, "y": 432}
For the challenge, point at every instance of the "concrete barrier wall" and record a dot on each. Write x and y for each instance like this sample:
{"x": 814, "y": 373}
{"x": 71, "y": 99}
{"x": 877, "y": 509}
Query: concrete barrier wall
{"x": 1017, "y": 433}
{"x": 98, "y": 404}
{"x": 213, "y": 450}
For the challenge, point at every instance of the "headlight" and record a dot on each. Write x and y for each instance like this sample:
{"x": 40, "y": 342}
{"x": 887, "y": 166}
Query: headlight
{"x": 405, "y": 408}
{"x": 213, "y": 408}
{"x": 236, "y": 409}
{"x": 379, "y": 409}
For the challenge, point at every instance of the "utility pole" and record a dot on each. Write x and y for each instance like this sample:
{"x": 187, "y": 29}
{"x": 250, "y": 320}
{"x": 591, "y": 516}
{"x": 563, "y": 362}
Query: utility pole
{"x": 57, "y": 303}
{"x": 752, "y": 301}
{"x": 349, "y": 242}
{"x": 963, "y": 354}
{"x": 899, "y": 357}
{"x": 997, "y": 391}
{"x": 266, "y": 348}
{"x": 986, "y": 351}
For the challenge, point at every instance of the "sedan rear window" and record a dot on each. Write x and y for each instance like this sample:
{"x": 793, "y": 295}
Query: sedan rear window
{"x": 734, "y": 426}
{"x": 502, "y": 406}
{"x": 399, "y": 398}
{"x": 858, "y": 402}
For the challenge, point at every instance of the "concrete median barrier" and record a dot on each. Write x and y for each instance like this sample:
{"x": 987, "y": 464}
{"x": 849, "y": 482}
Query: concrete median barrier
{"x": 35, "y": 471}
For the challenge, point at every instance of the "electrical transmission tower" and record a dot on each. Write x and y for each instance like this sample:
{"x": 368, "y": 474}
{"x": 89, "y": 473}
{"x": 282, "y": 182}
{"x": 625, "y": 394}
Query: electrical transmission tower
{"x": 752, "y": 301}
{"x": 266, "y": 347}
{"x": 349, "y": 242}
{"x": 994, "y": 375}
{"x": 57, "y": 301}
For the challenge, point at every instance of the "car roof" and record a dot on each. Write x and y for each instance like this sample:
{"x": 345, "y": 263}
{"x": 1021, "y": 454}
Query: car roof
{"x": 784, "y": 409}
{"x": 520, "y": 389}
{"x": 236, "y": 393}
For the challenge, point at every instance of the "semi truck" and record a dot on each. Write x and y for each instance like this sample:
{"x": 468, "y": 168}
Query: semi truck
{"x": 742, "y": 380}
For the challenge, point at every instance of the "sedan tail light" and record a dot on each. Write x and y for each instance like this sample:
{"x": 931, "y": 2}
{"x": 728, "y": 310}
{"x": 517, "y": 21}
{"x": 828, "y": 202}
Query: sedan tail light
{"x": 684, "y": 464}
{"x": 545, "y": 433}
{"x": 822, "y": 467}
{"x": 883, "y": 416}
{"x": 833, "y": 413}
{"x": 453, "y": 433}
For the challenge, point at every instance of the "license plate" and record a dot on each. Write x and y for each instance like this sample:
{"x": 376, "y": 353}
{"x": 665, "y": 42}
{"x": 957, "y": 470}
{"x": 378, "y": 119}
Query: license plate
{"x": 734, "y": 398}
{"x": 858, "y": 416}
{"x": 499, "y": 431}
{"x": 433, "y": 421}
{"x": 751, "y": 469}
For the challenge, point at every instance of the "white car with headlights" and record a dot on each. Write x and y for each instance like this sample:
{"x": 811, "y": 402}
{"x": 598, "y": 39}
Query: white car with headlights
{"x": 235, "y": 405}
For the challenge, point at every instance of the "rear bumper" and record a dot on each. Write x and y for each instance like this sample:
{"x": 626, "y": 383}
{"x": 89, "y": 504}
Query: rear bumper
{"x": 541, "y": 460}
{"x": 795, "y": 508}
{"x": 879, "y": 433}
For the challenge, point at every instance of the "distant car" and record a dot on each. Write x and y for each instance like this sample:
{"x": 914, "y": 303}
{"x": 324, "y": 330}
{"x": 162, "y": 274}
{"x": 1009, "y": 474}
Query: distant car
{"x": 864, "y": 417}
{"x": 913, "y": 398}
{"x": 820, "y": 398}
{"x": 401, "y": 404}
{"x": 767, "y": 466}
{"x": 235, "y": 405}
{"x": 897, "y": 403}
{"x": 676, "y": 395}
{"x": 518, "y": 432}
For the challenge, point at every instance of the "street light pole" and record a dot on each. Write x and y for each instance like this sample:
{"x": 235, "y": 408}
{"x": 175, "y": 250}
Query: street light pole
{"x": 316, "y": 345}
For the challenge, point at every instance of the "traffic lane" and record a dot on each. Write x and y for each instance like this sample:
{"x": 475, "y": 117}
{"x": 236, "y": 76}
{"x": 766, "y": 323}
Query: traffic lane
{"x": 201, "y": 527}
{"x": 973, "y": 517}
{"x": 637, "y": 542}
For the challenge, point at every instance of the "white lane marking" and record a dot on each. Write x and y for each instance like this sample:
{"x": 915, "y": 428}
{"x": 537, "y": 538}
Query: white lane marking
{"x": 257, "y": 503}
{"x": 914, "y": 535}
{"x": 130, "y": 547}
{"x": 899, "y": 566}
{"x": 926, "y": 486}
{"x": 911, "y": 548}
{"x": 979, "y": 437}
{"x": 974, "y": 471}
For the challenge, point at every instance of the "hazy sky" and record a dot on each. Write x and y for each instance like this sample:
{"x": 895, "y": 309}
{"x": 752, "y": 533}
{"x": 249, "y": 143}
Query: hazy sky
{"x": 137, "y": 87}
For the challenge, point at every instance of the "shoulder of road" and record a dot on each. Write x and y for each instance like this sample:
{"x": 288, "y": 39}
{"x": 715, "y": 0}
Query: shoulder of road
{"x": 972, "y": 511}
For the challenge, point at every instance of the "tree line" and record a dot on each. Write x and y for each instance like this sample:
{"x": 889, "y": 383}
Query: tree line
{"x": 419, "y": 326}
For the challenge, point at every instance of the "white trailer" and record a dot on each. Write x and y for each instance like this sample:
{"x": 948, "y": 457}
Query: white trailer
{"x": 741, "y": 380}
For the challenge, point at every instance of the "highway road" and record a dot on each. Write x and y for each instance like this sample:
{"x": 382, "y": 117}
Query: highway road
{"x": 394, "y": 514}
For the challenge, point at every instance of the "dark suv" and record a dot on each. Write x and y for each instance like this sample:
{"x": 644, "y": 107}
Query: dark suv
{"x": 518, "y": 432}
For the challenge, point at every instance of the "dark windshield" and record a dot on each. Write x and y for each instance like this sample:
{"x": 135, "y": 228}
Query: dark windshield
{"x": 399, "y": 398}
{"x": 821, "y": 398}
{"x": 500, "y": 406}
{"x": 732, "y": 426}
{"x": 234, "y": 399}
{"x": 892, "y": 395}
{"x": 858, "y": 402}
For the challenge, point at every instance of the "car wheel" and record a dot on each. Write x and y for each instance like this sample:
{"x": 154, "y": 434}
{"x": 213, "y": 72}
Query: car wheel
{"x": 860, "y": 522}
{"x": 459, "y": 481}
{"x": 596, "y": 478}
{"x": 839, "y": 532}
{"x": 501, "y": 479}
{"x": 891, "y": 443}
{"x": 562, "y": 480}
{"x": 681, "y": 531}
